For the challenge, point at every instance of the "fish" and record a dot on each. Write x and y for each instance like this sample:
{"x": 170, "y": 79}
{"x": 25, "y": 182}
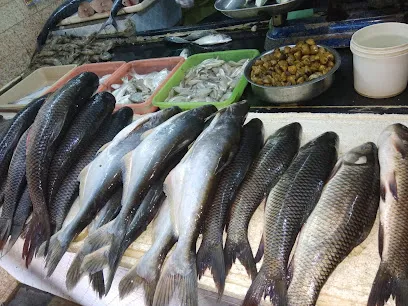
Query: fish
{"x": 12, "y": 134}
{"x": 288, "y": 206}
{"x": 45, "y": 134}
{"x": 392, "y": 278}
{"x": 66, "y": 195}
{"x": 212, "y": 80}
{"x": 94, "y": 192}
{"x": 105, "y": 215}
{"x": 15, "y": 185}
{"x": 213, "y": 39}
{"x": 270, "y": 164}
{"x": 341, "y": 220}
{"x": 147, "y": 210}
{"x": 116, "y": 7}
{"x": 80, "y": 133}
{"x": 188, "y": 188}
{"x": 146, "y": 272}
{"x": 210, "y": 254}
{"x": 148, "y": 161}
{"x": 66, "y": 9}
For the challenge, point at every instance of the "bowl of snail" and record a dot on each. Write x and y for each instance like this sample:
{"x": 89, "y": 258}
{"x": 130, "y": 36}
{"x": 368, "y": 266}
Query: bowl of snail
{"x": 293, "y": 74}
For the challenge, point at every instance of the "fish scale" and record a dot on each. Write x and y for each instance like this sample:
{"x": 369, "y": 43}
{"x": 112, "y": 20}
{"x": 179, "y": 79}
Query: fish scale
{"x": 342, "y": 218}
{"x": 287, "y": 207}
{"x": 265, "y": 171}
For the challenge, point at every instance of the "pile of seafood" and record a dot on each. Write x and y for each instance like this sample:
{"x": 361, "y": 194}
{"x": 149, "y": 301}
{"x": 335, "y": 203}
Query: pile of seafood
{"x": 212, "y": 80}
{"x": 193, "y": 172}
{"x": 136, "y": 88}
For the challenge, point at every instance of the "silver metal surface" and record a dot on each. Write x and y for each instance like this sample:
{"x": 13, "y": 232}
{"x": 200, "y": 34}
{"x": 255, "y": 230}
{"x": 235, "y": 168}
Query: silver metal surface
{"x": 295, "y": 93}
{"x": 236, "y": 9}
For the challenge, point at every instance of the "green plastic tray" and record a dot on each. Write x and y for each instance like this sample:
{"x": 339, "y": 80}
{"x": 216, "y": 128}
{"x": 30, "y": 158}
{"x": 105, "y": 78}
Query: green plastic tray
{"x": 194, "y": 60}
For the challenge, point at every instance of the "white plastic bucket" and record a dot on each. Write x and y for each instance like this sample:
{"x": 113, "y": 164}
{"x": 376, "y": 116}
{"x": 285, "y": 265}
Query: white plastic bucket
{"x": 380, "y": 59}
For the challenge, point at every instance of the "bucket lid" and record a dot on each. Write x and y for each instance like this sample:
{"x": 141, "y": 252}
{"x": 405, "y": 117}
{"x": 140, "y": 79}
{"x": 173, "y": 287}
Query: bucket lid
{"x": 386, "y": 39}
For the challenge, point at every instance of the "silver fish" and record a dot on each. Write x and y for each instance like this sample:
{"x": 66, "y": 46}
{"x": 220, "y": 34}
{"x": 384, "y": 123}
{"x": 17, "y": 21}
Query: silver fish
{"x": 188, "y": 188}
{"x": 213, "y": 39}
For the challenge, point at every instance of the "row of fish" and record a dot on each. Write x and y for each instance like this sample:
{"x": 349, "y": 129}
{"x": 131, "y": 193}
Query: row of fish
{"x": 190, "y": 173}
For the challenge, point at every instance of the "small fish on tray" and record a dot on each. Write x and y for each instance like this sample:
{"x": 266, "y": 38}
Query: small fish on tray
{"x": 203, "y": 38}
{"x": 213, "y": 80}
{"x": 137, "y": 88}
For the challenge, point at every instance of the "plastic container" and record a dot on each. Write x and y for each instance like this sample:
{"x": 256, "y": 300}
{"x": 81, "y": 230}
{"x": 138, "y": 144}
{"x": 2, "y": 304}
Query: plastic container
{"x": 100, "y": 69}
{"x": 194, "y": 60}
{"x": 144, "y": 67}
{"x": 40, "y": 78}
{"x": 380, "y": 59}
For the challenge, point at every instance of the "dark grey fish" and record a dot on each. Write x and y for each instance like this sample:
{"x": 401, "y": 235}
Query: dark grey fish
{"x": 147, "y": 271}
{"x": 210, "y": 255}
{"x": 287, "y": 207}
{"x": 15, "y": 128}
{"x": 116, "y": 7}
{"x": 69, "y": 192}
{"x": 80, "y": 133}
{"x": 267, "y": 168}
{"x": 392, "y": 274}
{"x": 189, "y": 187}
{"x": 65, "y": 10}
{"x": 45, "y": 134}
{"x": 341, "y": 220}
{"x": 15, "y": 185}
{"x": 147, "y": 210}
{"x": 100, "y": 179}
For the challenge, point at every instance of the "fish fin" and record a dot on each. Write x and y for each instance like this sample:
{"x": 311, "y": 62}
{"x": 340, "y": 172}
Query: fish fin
{"x": 56, "y": 250}
{"x": 240, "y": 250}
{"x": 111, "y": 273}
{"x": 385, "y": 285}
{"x": 146, "y": 134}
{"x": 130, "y": 282}
{"x": 178, "y": 282}
{"x": 98, "y": 283}
{"x": 102, "y": 148}
{"x": 38, "y": 232}
{"x": 111, "y": 21}
{"x": 399, "y": 146}
{"x": 392, "y": 185}
{"x": 210, "y": 256}
{"x": 260, "y": 252}
{"x": 74, "y": 272}
{"x": 223, "y": 164}
{"x": 96, "y": 261}
{"x": 5, "y": 228}
{"x": 382, "y": 191}
{"x": 264, "y": 286}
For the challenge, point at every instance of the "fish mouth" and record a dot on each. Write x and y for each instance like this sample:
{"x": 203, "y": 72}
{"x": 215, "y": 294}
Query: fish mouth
{"x": 363, "y": 154}
{"x": 294, "y": 128}
{"x": 330, "y": 138}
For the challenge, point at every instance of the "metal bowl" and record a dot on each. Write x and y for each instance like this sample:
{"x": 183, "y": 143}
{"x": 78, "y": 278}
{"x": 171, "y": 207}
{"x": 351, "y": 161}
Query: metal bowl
{"x": 294, "y": 93}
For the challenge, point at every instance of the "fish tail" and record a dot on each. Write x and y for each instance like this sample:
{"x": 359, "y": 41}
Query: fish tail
{"x": 111, "y": 275}
{"x": 264, "y": 286}
{"x": 260, "y": 252}
{"x": 74, "y": 272}
{"x": 98, "y": 283}
{"x": 240, "y": 249}
{"x": 178, "y": 282}
{"x": 96, "y": 261}
{"x": 56, "y": 250}
{"x": 111, "y": 21}
{"x": 37, "y": 233}
{"x": 210, "y": 256}
{"x": 385, "y": 285}
{"x": 5, "y": 228}
{"x": 16, "y": 231}
{"x": 130, "y": 282}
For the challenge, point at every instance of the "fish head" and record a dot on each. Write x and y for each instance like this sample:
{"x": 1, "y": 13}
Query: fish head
{"x": 294, "y": 129}
{"x": 239, "y": 110}
{"x": 394, "y": 136}
{"x": 256, "y": 125}
{"x": 327, "y": 139}
{"x": 364, "y": 154}
{"x": 164, "y": 114}
{"x": 123, "y": 114}
{"x": 203, "y": 112}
